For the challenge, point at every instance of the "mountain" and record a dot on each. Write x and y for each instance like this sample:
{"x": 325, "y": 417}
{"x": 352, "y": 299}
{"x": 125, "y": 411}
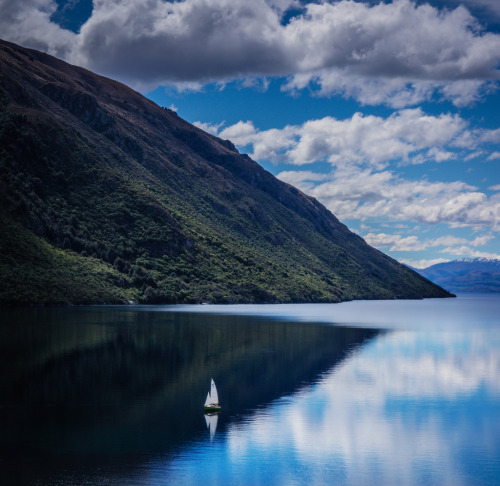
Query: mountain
{"x": 107, "y": 197}
{"x": 466, "y": 275}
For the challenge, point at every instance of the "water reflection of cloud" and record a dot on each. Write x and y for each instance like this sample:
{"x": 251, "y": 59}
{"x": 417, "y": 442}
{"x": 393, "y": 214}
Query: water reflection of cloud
{"x": 404, "y": 407}
{"x": 425, "y": 365}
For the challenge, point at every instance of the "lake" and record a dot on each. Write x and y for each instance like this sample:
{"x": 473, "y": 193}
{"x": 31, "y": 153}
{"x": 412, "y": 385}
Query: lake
{"x": 369, "y": 392}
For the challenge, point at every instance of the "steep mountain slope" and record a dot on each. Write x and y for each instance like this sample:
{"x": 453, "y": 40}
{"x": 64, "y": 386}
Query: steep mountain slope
{"x": 466, "y": 275}
{"x": 101, "y": 185}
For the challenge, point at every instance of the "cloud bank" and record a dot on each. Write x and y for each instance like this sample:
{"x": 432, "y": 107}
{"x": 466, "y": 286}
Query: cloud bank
{"x": 398, "y": 53}
{"x": 407, "y": 135}
{"x": 363, "y": 153}
{"x": 364, "y": 194}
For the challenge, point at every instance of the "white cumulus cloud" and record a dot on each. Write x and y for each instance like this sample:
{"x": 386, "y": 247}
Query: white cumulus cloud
{"x": 396, "y": 242}
{"x": 494, "y": 156}
{"x": 489, "y": 7}
{"x": 422, "y": 263}
{"x": 27, "y": 22}
{"x": 376, "y": 140}
{"x": 353, "y": 194}
{"x": 399, "y": 53}
{"x": 469, "y": 252}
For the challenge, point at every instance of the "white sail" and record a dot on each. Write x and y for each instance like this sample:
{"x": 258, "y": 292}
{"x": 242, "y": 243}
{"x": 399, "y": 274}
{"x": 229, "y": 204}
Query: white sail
{"x": 208, "y": 401}
{"x": 214, "y": 396}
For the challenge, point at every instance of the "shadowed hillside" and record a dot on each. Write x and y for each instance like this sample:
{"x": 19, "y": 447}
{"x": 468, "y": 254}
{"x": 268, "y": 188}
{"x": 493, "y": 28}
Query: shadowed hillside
{"x": 107, "y": 197}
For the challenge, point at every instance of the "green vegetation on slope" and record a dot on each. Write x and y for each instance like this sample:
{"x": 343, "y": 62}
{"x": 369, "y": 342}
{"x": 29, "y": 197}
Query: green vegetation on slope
{"x": 99, "y": 181}
{"x": 36, "y": 272}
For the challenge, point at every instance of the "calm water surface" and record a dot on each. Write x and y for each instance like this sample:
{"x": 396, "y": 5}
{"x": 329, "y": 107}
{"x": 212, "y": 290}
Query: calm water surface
{"x": 393, "y": 392}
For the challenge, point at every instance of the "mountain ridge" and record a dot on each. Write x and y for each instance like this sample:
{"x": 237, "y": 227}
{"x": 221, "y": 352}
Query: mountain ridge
{"x": 97, "y": 175}
{"x": 494, "y": 261}
{"x": 480, "y": 275}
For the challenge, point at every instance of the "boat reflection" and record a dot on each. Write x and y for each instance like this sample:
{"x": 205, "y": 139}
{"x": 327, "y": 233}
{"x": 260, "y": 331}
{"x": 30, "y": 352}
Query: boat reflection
{"x": 211, "y": 419}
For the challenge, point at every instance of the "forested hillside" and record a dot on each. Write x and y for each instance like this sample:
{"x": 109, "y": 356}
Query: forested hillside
{"x": 107, "y": 197}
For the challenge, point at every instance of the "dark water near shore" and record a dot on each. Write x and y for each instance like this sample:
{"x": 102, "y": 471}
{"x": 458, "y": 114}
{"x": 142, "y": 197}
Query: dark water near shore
{"x": 399, "y": 392}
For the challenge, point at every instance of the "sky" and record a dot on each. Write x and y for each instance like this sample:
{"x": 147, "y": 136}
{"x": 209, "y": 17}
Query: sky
{"x": 387, "y": 112}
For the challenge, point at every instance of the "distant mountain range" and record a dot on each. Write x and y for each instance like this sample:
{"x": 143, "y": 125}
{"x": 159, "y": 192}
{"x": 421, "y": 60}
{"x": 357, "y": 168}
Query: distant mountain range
{"x": 465, "y": 275}
{"x": 106, "y": 197}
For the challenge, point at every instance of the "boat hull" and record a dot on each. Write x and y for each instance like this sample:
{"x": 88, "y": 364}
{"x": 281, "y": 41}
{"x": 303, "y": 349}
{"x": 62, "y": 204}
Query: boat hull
{"x": 211, "y": 408}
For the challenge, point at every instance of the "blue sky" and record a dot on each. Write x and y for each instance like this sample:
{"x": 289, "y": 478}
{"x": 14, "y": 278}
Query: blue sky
{"x": 386, "y": 112}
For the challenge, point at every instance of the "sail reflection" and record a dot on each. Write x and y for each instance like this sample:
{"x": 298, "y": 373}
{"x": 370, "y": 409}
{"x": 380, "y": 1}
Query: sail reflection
{"x": 211, "y": 419}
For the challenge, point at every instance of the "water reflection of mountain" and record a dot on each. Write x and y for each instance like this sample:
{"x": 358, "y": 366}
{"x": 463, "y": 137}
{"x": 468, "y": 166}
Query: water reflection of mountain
{"x": 107, "y": 383}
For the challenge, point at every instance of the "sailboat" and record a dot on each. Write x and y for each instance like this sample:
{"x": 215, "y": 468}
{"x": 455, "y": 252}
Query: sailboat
{"x": 212, "y": 401}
